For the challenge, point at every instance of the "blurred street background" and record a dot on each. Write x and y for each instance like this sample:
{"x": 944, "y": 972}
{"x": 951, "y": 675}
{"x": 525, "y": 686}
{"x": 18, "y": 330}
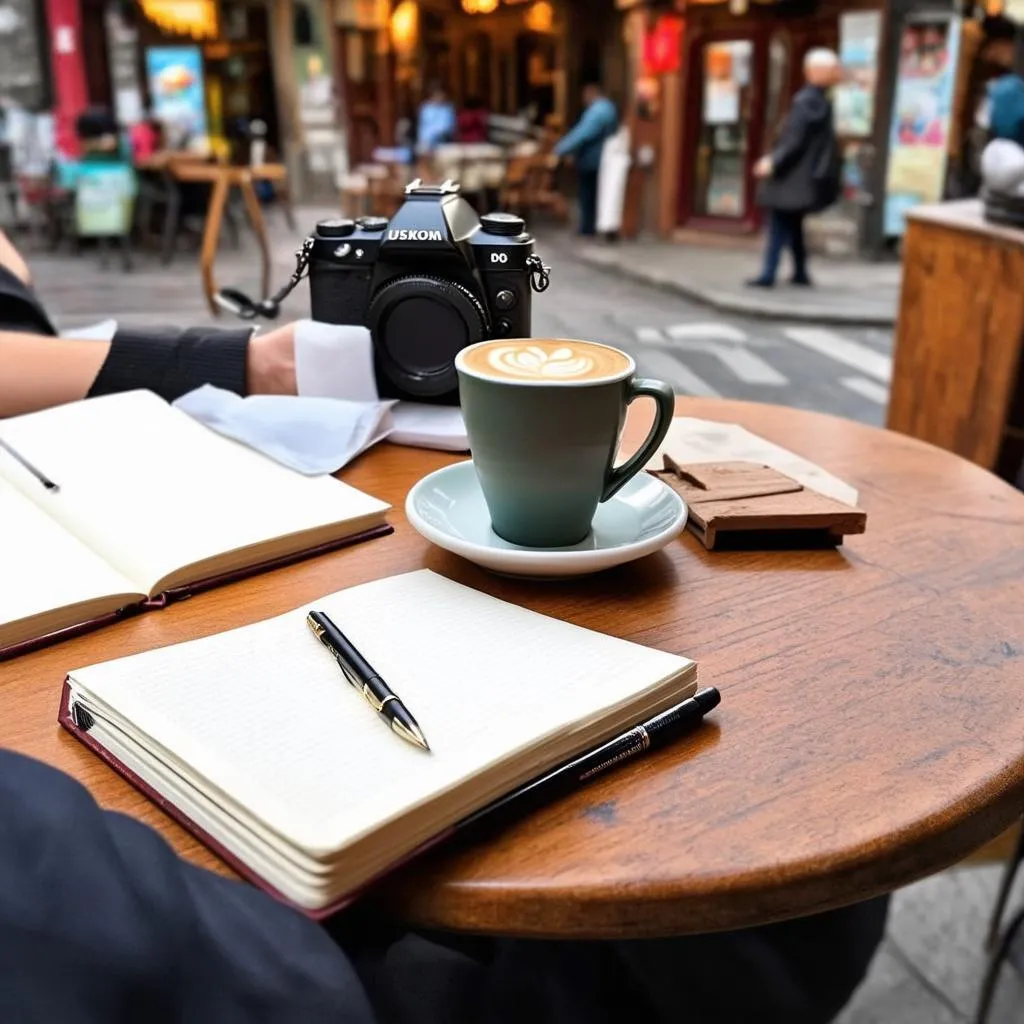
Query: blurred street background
{"x": 148, "y": 148}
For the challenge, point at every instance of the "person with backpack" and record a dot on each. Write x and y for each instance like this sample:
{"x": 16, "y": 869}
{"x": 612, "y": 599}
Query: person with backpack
{"x": 802, "y": 174}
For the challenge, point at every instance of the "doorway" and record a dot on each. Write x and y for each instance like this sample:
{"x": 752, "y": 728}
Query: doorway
{"x": 722, "y": 154}
{"x": 724, "y": 132}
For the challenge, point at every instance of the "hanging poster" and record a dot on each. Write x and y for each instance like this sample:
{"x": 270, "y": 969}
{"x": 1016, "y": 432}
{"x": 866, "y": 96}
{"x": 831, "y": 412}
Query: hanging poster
{"x": 726, "y": 70}
{"x": 175, "y": 75}
{"x": 922, "y": 110}
{"x": 854, "y": 96}
{"x": 104, "y": 200}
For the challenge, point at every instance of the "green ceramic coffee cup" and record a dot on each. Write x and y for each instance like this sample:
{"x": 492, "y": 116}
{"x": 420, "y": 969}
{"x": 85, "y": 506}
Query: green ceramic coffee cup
{"x": 544, "y": 418}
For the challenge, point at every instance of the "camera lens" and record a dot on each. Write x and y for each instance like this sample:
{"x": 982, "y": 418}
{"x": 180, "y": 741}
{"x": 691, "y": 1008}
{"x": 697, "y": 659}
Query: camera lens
{"x": 419, "y": 325}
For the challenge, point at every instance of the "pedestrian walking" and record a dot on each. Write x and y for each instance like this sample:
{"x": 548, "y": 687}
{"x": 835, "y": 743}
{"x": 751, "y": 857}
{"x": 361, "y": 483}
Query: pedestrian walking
{"x": 802, "y": 173}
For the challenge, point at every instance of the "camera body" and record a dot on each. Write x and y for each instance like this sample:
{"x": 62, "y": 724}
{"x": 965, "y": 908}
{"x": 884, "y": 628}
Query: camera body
{"x": 427, "y": 284}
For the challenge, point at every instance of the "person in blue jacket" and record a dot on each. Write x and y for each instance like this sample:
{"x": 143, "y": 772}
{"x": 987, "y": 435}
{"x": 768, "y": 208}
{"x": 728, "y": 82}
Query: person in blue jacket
{"x": 436, "y": 123}
{"x": 585, "y": 143}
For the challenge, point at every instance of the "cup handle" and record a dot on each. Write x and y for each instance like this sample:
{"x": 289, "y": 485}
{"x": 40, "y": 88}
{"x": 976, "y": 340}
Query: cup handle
{"x": 665, "y": 402}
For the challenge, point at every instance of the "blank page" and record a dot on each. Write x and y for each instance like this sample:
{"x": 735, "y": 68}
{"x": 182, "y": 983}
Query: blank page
{"x": 263, "y": 715}
{"x": 44, "y": 568}
{"x": 153, "y": 491}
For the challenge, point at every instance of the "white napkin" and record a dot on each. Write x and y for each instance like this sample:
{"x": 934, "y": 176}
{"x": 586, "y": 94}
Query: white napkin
{"x": 314, "y": 436}
{"x": 333, "y": 361}
{"x": 338, "y": 413}
{"x": 103, "y": 331}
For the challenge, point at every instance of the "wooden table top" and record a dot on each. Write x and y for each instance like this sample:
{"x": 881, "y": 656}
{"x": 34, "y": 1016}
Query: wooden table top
{"x": 965, "y": 215}
{"x": 233, "y": 174}
{"x": 871, "y": 729}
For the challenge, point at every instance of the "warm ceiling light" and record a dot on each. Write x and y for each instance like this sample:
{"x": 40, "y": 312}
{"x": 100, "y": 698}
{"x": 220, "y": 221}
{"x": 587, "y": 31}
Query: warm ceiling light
{"x": 540, "y": 17}
{"x": 195, "y": 18}
{"x": 405, "y": 24}
{"x": 479, "y": 6}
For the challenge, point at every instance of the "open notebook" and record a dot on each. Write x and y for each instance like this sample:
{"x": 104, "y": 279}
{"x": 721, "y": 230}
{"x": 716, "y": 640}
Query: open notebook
{"x": 253, "y": 740}
{"x": 151, "y": 506}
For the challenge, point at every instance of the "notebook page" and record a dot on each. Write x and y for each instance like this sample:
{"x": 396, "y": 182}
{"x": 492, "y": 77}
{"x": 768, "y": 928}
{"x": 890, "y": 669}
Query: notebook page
{"x": 263, "y": 715}
{"x": 43, "y": 568}
{"x": 151, "y": 490}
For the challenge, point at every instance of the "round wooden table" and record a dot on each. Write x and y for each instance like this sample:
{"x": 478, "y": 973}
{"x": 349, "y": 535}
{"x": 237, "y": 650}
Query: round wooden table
{"x": 871, "y": 729}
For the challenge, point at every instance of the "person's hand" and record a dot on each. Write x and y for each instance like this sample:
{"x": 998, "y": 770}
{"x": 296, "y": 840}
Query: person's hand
{"x": 270, "y": 367}
{"x": 763, "y": 167}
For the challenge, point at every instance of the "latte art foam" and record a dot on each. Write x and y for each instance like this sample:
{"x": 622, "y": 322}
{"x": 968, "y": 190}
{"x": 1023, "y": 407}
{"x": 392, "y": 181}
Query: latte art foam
{"x": 547, "y": 362}
{"x": 562, "y": 364}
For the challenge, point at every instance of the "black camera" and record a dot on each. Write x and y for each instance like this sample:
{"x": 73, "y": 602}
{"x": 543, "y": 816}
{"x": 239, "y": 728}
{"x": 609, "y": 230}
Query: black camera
{"x": 430, "y": 282}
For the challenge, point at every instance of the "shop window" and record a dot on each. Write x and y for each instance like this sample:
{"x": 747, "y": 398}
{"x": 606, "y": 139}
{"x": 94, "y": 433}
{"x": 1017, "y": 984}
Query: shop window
{"x": 722, "y": 151}
{"x": 778, "y": 76}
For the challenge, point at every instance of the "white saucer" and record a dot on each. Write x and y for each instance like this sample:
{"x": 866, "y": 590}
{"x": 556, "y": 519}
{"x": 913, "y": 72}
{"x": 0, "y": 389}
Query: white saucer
{"x": 448, "y": 508}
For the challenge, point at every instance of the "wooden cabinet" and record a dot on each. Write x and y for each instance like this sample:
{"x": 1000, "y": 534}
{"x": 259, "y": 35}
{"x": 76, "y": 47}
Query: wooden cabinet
{"x": 957, "y": 373}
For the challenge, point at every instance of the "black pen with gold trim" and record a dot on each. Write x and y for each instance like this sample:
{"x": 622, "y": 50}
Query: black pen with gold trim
{"x": 358, "y": 671}
{"x": 641, "y": 739}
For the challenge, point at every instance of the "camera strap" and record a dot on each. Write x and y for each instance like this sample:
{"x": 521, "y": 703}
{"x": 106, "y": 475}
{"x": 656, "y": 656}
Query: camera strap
{"x": 237, "y": 302}
{"x": 540, "y": 273}
{"x": 242, "y": 306}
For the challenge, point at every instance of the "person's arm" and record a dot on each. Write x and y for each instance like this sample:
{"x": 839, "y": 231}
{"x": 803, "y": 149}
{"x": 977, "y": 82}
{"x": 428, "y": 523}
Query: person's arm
{"x": 792, "y": 139}
{"x": 101, "y": 921}
{"x": 37, "y": 372}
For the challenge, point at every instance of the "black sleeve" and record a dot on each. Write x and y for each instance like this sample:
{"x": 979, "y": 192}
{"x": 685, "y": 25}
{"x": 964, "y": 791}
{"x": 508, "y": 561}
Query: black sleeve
{"x": 793, "y": 138}
{"x": 173, "y": 362}
{"x": 101, "y": 922}
{"x": 20, "y": 310}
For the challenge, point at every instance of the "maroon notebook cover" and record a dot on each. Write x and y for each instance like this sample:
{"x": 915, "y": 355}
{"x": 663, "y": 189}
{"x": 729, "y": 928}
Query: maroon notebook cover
{"x": 182, "y": 593}
{"x": 66, "y": 719}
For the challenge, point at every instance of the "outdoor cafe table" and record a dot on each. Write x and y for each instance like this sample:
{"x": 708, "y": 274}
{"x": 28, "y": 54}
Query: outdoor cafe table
{"x": 871, "y": 729}
{"x": 222, "y": 178}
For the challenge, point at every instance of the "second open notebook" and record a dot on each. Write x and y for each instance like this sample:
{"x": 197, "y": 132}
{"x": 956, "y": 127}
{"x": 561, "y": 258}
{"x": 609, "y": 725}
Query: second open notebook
{"x": 253, "y": 740}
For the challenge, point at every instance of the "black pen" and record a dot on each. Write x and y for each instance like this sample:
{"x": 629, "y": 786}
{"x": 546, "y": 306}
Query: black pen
{"x": 358, "y": 671}
{"x": 652, "y": 734}
{"x": 38, "y": 474}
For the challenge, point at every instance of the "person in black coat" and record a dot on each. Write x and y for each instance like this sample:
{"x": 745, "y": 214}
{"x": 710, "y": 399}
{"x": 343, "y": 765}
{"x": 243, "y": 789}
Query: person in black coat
{"x": 801, "y": 174}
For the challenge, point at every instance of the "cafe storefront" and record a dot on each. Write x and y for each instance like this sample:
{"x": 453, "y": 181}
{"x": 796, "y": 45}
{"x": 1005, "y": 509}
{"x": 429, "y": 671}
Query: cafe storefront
{"x": 711, "y": 100}
{"x": 742, "y": 65}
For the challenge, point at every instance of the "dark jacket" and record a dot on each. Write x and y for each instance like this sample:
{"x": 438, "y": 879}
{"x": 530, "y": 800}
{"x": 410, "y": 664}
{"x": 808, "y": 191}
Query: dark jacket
{"x": 168, "y": 361}
{"x": 100, "y": 923}
{"x": 804, "y": 157}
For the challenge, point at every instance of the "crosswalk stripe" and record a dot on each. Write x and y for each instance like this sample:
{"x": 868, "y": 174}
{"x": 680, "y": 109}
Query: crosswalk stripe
{"x": 666, "y": 367}
{"x": 843, "y": 350}
{"x": 710, "y": 331}
{"x": 650, "y": 335}
{"x": 747, "y": 365}
{"x": 869, "y": 389}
